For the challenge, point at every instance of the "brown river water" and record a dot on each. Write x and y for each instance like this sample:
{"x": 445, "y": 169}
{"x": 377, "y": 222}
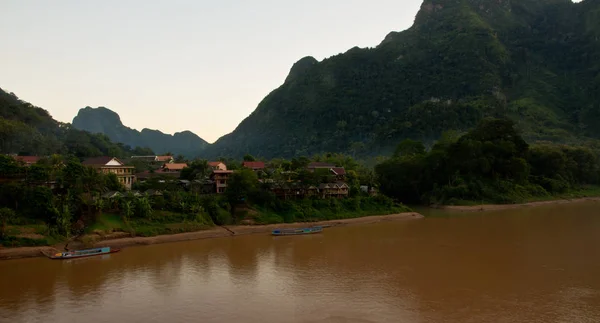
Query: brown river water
{"x": 537, "y": 264}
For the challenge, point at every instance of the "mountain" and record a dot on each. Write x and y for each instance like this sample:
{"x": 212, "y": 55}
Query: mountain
{"x": 534, "y": 61}
{"x": 29, "y": 130}
{"x": 105, "y": 121}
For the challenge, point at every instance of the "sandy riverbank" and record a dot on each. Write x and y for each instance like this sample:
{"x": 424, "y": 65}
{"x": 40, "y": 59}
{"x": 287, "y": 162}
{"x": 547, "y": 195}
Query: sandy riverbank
{"x": 494, "y": 207}
{"x": 217, "y": 232}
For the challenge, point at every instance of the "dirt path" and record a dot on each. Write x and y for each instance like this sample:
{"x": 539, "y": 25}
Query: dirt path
{"x": 493, "y": 207}
{"x": 217, "y": 232}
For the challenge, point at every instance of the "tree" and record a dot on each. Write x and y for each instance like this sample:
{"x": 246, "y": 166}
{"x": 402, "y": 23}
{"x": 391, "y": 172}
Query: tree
{"x": 6, "y": 215}
{"x": 249, "y": 158}
{"x": 63, "y": 219}
{"x": 409, "y": 147}
{"x": 126, "y": 210}
{"x": 197, "y": 169}
{"x": 143, "y": 208}
{"x": 299, "y": 163}
{"x": 111, "y": 182}
{"x": 241, "y": 184}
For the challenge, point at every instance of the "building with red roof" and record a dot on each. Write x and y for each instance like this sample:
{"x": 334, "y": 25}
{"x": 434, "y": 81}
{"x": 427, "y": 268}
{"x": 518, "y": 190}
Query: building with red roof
{"x": 254, "y": 165}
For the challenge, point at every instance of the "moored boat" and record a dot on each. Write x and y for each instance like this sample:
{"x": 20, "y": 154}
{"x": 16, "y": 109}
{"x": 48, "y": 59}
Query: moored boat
{"x": 83, "y": 253}
{"x": 291, "y": 232}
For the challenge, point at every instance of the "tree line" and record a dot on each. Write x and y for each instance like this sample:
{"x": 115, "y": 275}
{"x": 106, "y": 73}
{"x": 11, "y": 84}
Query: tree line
{"x": 491, "y": 163}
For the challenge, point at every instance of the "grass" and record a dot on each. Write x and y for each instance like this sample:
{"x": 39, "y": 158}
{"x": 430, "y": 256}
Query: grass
{"x": 586, "y": 191}
{"x": 107, "y": 222}
{"x": 582, "y": 192}
{"x": 312, "y": 211}
{"x": 163, "y": 222}
{"x": 24, "y": 236}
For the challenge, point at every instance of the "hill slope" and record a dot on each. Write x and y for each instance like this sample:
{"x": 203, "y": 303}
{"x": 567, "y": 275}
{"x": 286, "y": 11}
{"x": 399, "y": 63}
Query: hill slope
{"x": 535, "y": 61}
{"x": 105, "y": 121}
{"x": 29, "y": 130}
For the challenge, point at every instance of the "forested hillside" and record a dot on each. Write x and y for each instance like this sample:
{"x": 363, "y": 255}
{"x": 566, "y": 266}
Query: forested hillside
{"x": 29, "y": 130}
{"x": 534, "y": 61}
{"x": 108, "y": 122}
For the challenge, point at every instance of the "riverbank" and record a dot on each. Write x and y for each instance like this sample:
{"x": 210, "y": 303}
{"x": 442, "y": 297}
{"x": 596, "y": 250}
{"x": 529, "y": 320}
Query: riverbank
{"x": 494, "y": 207}
{"x": 118, "y": 241}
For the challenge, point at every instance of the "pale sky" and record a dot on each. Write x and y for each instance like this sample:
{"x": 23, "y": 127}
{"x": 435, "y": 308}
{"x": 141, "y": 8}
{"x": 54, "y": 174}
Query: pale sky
{"x": 176, "y": 65}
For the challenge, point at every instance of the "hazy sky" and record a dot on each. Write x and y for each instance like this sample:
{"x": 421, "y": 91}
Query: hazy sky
{"x": 176, "y": 65}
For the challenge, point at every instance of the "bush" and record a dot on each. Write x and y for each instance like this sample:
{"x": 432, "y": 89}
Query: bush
{"x": 23, "y": 242}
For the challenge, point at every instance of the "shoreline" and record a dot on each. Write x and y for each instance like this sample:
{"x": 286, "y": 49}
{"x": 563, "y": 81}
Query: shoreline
{"x": 496, "y": 207}
{"x": 216, "y": 232}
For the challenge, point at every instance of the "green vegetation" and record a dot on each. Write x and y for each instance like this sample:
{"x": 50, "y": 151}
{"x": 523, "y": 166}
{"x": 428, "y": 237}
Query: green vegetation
{"x": 164, "y": 223}
{"x": 535, "y": 62}
{"x": 59, "y": 199}
{"x": 310, "y": 210}
{"x": 104, "y": 121}
{"x": 29, "y": 130}
{"x": 489, "y": 164}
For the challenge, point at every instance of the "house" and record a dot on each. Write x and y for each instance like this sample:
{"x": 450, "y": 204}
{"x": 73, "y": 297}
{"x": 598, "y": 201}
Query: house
{"x": 112, "y": 165}
{"x": 217, "y": 165}
{"x": 317, "y": 165}
{"x": 254, "y": 165}
{"x": 333, "y": 190}
{"x": 153, "y": 192}
{"x": 339, "y": 173}
{"x": 173, "y": 167}
{"x": 287, "y": 190}
{"x": 372, "y": 191}
{"x": 157, "y": 159}
{"x": 27, "y": 160}
{"x": 111, "y": 195}
{"x": 135, "y": 193}
{"x": 146, "y": 175}
{"x": 164, "y": 159}
{"x": 220, "y": 178}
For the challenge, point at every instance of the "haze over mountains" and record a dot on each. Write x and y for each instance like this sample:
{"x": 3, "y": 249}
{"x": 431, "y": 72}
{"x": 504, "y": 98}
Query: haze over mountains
{"x": 534, "y": 61}
{"x": 105, "y": 121}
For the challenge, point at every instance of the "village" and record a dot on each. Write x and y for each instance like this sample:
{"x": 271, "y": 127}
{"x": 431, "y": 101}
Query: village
{"x": 327, "y": 180}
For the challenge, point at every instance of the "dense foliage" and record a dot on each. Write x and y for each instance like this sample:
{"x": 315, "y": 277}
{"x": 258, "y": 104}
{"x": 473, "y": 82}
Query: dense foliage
{"x": 104, "y": 121}
{"x": 533, "y": 61}
{"x": 59, "y": 197}
{"x": 29, "y": 130}
{"x": 491, "y": 163}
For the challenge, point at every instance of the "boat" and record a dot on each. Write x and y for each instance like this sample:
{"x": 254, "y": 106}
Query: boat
{"x": 291, "y": 232}
{"x": 83, "y": 253}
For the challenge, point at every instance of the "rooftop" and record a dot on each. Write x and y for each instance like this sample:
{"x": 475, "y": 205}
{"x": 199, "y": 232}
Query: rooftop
{"x": 338, "y": 170}
{"x": 222, "y": 171}
{"x": 102, "y": 161}
{"x": 320, "y": 165}
{"x": 175, "y": 166}
{"x": 254, "y": 164}
{"x": 28, "y": 159}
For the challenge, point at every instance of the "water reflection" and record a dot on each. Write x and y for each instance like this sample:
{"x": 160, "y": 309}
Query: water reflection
{"x": 534, "y": 265}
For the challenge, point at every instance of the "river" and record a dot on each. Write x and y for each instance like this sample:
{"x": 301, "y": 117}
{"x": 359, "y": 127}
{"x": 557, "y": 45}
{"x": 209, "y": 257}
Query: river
{"x": 537, "y": 264}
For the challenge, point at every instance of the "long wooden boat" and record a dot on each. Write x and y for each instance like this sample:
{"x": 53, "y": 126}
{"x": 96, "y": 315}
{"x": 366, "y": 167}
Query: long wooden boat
{"x": 292, "y": 232}
{"x": 83, "y": 253}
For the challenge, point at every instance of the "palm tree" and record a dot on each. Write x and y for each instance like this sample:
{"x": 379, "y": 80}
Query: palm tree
{"x": 144, "y": 208}
{"x": 126, "y": 210}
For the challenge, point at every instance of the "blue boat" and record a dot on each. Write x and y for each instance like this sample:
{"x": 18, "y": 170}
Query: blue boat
{"x": 83, "y": 253}
{"x": 293, "y": 232}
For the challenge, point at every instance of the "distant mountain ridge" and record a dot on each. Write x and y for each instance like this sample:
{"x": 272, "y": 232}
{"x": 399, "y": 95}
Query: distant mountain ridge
{"x": 534, "y": 61}
{"x": 108, "y": 122}
{"x": 29, "y": 130}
